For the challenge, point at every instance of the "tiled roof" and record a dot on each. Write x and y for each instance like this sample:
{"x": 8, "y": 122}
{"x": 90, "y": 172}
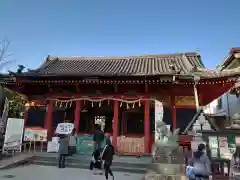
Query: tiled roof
{"x": 216, "y": 73}
{"x": 120, "y": 66}
{"x": 229, "y": 58}
{"x": 148, "y": 65}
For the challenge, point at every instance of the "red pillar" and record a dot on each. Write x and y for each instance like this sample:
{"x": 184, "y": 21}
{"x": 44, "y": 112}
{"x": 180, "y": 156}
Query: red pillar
{"x": 48, "y": 120}
{"x": 146, "y": 126}
{"x": 115, "y": 123}
{"x": 77, "y": 116}
{"x": 174, "y": 113}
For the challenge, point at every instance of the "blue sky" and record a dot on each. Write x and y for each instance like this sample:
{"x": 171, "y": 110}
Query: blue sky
{"x": 119, "y": 27}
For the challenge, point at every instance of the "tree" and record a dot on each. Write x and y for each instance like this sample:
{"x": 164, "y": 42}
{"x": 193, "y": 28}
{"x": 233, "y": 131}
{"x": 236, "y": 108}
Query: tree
{"x": 4, "y": 54}
{"x": 15, "y": 99}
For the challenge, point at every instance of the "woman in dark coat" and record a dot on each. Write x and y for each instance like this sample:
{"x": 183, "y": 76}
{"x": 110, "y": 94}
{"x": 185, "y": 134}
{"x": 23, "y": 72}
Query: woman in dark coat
{"x": 72, "y": 143}
{"x": 107, "y": 157}
{"x": 98, "y": 138}
{"x": 63, "y": 149}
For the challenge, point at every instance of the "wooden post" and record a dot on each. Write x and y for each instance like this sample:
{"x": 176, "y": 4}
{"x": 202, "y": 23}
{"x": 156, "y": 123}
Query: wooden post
{"x": 115, "y": 123}
{"x": 146, "y": 126}
{"x": 77, "y": 115}
{"x": 174, "y": 113}
{"x": 48, "y": 120}
{"x": 196, "y": 95}
{"x": 25, "y": 116}
{"x": 196, "y": 79}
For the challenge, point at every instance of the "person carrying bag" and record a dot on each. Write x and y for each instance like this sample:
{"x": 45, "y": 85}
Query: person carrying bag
{"x": 199, "y": 166}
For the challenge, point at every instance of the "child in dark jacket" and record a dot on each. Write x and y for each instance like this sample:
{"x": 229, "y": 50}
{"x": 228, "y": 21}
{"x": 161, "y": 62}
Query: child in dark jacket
{"x": 107, "y": 157}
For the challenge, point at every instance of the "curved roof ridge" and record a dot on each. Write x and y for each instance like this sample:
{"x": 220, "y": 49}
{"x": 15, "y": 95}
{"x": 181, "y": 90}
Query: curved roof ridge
{"x": 120, "y": 57}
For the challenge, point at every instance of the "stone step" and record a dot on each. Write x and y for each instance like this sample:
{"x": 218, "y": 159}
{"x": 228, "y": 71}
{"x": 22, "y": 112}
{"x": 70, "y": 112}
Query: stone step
{"x": 127, "y": 169}
{"x": 87, "y": 161}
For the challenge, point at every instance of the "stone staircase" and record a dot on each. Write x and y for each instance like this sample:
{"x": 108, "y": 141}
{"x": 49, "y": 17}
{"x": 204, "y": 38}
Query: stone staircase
{"x": 120, "y": 164}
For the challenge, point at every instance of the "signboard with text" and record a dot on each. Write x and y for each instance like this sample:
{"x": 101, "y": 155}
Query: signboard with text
{"x": 36, "y": 134}
{"x": 64, "y": 128}
{"x": 185, "y": 100}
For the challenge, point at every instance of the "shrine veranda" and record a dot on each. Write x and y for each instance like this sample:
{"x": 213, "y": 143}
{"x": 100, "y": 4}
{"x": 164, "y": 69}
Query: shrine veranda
{"x": 120, "y": 93}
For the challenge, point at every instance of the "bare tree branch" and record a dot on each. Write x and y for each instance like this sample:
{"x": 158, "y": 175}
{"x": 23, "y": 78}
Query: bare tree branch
{"x": 4, "y": 54}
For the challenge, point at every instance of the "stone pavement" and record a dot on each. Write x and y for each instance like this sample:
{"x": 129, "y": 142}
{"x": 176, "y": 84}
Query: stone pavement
{"x": 15, "y": 160}
{"x": 35, "y": 172}
{"x": 126, "y": 159}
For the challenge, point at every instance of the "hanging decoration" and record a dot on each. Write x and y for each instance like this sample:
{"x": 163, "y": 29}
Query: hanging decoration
{"x": 66, "y": 104}
{"x": 130, "y": 103}
{"x": 63, "y": 103}
{"x": 70, "y": 105}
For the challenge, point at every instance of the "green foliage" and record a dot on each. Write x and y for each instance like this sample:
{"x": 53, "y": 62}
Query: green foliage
{"x": 16, "y": 108}
{"x": 16, "y": 103}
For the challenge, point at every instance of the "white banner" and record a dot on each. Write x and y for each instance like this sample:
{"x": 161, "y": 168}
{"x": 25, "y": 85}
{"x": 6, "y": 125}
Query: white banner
{"x": 3, "y": 121}
{"x": 64, "y": 128}
{"x": 158, "y": 116}
{"x": 14, "y": 134}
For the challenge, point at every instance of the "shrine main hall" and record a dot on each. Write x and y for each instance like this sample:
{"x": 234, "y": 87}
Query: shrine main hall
{"x": 119, "y": 91}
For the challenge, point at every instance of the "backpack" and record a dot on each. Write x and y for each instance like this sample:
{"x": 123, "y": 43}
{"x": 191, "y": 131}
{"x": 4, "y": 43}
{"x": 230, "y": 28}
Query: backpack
{"x": 190, "y": 172}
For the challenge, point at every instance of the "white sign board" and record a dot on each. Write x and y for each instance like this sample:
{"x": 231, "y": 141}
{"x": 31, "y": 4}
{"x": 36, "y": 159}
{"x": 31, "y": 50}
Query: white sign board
{"x": 158, "y": 116}
{"x": 64, "y": 128}
{"x": 52, "y": 146}
{"x": 14, "y": 134}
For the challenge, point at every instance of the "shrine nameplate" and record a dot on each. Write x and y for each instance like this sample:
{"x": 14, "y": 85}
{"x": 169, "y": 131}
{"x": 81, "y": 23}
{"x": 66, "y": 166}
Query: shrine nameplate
{"x": 185, "y": 100}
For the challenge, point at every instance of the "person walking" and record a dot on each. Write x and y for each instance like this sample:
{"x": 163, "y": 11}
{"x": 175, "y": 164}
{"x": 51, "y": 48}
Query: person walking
{"x": 188, "y": 155}
{"x": 63, "y": 150}
{"x": 107, "y": 158}
{"x": 72, "y": 142}
{"x": 201, "y": 163}
{"x": 98, "y": 138}
{"x": 235, "y": 165}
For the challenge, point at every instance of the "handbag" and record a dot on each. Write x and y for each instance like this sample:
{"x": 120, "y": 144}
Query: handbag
{"x": 190, "y": 172}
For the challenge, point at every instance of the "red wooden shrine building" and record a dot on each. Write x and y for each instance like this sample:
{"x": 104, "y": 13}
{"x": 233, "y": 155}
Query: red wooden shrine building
{"x": 122, "y": 90}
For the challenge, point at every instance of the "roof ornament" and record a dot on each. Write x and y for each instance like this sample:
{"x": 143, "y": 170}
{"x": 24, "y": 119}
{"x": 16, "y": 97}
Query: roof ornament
{"x": 197, "y": 51}
{"x": 20, "y": 69}
{"x": 174, "y": 70}
{"x": 48, "y": 58}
